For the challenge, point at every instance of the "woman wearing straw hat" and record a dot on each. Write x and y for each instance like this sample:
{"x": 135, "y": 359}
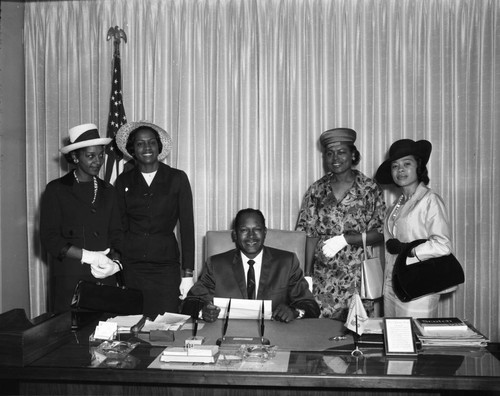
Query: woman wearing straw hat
{"x": 80, "y": 222}
{"x": 154, "y": 198}
{"x": 339, "y": 209}
{"x": 418, "y": 213}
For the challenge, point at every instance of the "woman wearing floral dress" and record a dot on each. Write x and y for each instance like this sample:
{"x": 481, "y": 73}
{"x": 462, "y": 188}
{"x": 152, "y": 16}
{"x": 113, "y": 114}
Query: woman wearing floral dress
{"x": 339, "y": 208}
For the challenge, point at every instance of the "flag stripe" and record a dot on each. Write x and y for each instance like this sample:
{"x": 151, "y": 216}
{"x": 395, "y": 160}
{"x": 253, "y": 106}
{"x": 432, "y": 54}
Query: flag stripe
{"x": 116, "y": 118}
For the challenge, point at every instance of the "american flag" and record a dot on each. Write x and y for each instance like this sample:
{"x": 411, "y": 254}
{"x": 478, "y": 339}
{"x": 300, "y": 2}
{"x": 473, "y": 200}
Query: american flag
{"x": 117, "y": 118}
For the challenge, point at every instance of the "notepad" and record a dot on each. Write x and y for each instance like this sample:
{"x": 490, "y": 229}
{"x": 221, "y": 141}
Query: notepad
{"x": 244, "y": 309}
{"x": 196, "y": 354}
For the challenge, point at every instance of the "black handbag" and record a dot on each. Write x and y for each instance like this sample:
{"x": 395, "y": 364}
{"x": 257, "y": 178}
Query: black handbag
{"x": 425, "y": 277}
{"x": 95, "y": 296}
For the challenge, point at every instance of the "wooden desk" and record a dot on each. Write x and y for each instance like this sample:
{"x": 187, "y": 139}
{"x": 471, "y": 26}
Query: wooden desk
{"x": 67, "y": 370}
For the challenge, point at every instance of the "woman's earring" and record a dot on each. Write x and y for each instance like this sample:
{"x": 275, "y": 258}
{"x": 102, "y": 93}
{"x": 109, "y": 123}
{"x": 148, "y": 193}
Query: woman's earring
{"x": 76, "y": 161}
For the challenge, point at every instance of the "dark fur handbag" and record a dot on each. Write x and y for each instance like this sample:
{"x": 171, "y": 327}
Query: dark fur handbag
{"x": 425, "y": 277}
{"x": 95, "y": 296}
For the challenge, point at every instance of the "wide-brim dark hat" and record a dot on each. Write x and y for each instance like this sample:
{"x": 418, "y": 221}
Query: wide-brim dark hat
{"x": 125, "y": 131}
{"x": 400, "y": 149}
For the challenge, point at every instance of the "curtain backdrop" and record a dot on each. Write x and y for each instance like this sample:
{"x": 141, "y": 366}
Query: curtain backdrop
{"x": 245, "y": 87}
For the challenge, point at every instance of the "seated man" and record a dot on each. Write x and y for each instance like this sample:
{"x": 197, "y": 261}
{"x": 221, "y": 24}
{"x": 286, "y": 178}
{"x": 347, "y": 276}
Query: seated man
{"x": 229, "y": 275}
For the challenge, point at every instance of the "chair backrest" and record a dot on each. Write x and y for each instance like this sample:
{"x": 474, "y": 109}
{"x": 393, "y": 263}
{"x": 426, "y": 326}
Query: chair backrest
{"x": 293, "y": 241}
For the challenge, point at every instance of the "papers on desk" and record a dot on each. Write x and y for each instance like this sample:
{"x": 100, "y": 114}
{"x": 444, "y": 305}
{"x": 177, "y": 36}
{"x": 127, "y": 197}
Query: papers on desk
{"x": 167, "y": 321}
{"x": 105, "y": 331}
{"x": 374, "y": 326}
{"x": 244, "y": 309}
{"x": 125, "y": 323}
{"x": 451, "y": 338}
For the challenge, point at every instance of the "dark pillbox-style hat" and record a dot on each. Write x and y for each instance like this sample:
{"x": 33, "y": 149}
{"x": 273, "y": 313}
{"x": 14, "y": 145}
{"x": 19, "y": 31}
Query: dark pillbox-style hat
{"x": 337, "y": 136}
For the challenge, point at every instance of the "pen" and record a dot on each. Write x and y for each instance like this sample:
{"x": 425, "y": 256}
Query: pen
{"x": 195, "y": 327}
{"x": 226, "y": 322}
{"x": 262, "y": 323}
{"x": 195, "y": 318}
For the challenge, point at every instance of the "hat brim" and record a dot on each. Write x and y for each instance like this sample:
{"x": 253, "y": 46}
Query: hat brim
{"x": 87, "y": 143}
{"x": 124, "y": 132}
{"x": 421, "y": 149}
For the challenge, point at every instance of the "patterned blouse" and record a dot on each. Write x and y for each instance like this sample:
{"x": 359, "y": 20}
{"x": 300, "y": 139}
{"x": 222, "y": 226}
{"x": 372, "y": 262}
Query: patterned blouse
{"x": 362, "y": 209}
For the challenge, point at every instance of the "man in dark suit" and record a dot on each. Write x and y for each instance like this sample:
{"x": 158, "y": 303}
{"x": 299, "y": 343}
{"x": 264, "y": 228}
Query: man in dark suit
{"x": 276, "y": 273}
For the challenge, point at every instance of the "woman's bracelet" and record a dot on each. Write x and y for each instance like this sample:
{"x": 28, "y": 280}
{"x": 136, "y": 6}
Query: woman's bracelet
{"x": 188, "y": 273}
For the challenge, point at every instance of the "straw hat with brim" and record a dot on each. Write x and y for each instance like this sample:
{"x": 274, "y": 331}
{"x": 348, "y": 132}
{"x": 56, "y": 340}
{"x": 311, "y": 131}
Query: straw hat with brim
{"x": 400, "y": 149}
{"x": 125, "y": 131}
{"x": 84, "y": 135}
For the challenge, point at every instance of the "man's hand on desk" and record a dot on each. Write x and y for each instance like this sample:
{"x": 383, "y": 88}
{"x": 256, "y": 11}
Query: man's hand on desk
{"x": 210, "y": 312}
{"x": 284, "y": 313}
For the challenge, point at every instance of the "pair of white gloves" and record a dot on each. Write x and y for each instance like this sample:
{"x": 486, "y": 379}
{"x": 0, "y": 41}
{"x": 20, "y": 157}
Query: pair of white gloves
{"x": 186, "y": 284}
{"x": 334, "y": 245}
{"x": 101, "y": 266}
{"x": 331, "y": 247}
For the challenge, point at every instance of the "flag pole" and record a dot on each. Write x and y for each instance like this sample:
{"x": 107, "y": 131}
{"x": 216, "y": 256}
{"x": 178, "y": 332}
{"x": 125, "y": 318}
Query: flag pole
{"x": 116, "y": 117}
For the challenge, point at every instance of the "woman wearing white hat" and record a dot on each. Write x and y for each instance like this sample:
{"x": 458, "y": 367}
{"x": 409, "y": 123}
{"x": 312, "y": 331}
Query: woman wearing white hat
{"x": 154, "y": 199}
{"x": 80, "y": 224}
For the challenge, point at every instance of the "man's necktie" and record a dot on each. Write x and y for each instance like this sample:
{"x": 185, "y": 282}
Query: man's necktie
{"x": 251, "y": 280}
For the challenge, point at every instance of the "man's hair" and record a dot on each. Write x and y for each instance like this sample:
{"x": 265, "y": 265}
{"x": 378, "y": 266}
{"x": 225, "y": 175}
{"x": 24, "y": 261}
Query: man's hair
{"x": 247, "y": 211}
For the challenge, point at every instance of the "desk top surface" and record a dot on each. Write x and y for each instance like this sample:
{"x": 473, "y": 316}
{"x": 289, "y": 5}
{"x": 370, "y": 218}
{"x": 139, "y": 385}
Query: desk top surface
{"x": 314, "y": 359}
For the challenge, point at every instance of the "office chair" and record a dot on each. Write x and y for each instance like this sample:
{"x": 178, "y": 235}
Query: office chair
{"x": 293, "y": 241}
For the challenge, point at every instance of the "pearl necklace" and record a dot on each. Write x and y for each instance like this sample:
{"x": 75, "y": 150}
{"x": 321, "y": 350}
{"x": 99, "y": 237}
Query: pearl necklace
{"x": 95, "y": 186}
{"x": 398, "y": 206}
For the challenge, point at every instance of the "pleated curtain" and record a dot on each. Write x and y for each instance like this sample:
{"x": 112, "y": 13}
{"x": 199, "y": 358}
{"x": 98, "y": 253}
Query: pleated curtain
{"x": 245, "y": 88}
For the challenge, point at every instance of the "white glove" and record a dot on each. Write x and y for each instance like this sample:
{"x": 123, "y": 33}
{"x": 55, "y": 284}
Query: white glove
{"x": 334, "y": 245}
{"x": 186, "y": 284}
{"x": 101, "y": 265}
{"x": 99, "y": 257}
{"x": 309, "y": 280}
{"x": 101, "y": 271}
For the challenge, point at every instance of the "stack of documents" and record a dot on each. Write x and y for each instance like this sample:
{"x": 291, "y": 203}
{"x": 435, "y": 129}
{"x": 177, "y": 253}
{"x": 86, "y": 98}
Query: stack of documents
{"x": 195, "y": 354}
{"x": 167, "y": 321}
{"x": 470, "y": 337}
{"x": 125, "y": 323}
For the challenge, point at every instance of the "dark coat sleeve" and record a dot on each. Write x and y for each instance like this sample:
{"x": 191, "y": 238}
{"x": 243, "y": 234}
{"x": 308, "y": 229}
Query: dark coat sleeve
{"x": 51, "y": 221}
{"x": 186, "y": 222}
{"x": 66, "y": 220}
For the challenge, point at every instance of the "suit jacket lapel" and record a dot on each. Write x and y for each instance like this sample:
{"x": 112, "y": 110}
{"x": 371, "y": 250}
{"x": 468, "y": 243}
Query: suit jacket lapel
{"x": 265, "y": 272}
{"x": 239, "y": 273}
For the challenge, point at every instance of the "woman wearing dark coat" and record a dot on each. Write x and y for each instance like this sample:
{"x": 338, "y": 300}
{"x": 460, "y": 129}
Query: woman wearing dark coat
{"x": 154, "y": 198}
{"x": 80, "y": 224}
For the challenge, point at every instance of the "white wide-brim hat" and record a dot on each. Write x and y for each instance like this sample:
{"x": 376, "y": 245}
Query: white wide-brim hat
{"x": 124, "y": 132}
{"x": 84, "y": 135}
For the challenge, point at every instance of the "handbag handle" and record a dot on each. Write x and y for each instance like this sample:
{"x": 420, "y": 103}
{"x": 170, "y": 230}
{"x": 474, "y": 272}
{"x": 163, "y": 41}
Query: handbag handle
{"x": 363, "y": 238}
